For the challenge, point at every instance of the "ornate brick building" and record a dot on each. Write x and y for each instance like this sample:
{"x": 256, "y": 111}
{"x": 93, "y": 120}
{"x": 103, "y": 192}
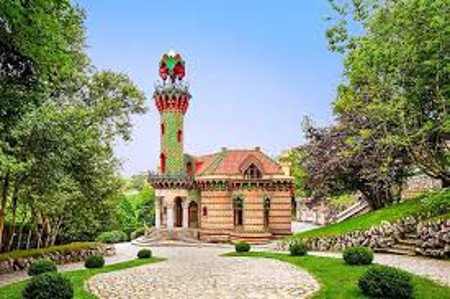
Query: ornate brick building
{"x": 225, "y": 196}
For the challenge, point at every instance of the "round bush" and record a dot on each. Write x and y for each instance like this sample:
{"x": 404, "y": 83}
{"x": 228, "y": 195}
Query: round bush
{"x": 298, "y": 248}
{"x": 144, "y": 253}
{"x": 242, "y": 247}
{"x": 94, "y": 261}
{"x": 41, "y": 266}
{"x": 358, "y": 255}
{"x": 48, "y": 285}
{"x": 111, "y": 237}
{"x": 386, "y": 282}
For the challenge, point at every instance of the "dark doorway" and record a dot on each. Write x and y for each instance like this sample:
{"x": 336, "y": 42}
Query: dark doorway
{"x": 178, "y": 210}
{"x": 238, "y": 206}
{"x": 193, "y": 215}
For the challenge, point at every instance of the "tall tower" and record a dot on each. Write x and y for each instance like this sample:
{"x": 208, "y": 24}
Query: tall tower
{"x": 172, "y": 100}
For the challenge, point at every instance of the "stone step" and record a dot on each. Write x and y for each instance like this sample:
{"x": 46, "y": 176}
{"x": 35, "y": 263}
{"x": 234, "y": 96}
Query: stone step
{"x": 411, "y": 242}
{"x": 406, "y": 247}
{"x": 394, "y": 251}
{"x": 410, "y": 236}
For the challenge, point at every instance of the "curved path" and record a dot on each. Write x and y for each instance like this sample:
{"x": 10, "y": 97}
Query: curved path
{"x": 192, "y": 272}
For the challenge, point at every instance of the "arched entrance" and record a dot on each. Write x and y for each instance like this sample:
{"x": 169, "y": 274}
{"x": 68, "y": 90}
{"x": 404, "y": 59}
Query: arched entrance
{"x": 193, "y": 214}
{"x": 178, "y": 211}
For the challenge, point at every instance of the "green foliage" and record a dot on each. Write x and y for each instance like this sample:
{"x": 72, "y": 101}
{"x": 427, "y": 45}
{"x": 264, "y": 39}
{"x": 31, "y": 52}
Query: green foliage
{"x": 138, "y": 233}
{"x": 115, "y": 236}
{"x": 41, "y": 266}
{"x": 358, "y": 255}
{"x": 242, "y": 247}
{"x": 436, "y": 203}
{"x": 386, "y": 282}
{"x": 94, "y": 261}
{"x": 36, "y": 253}
{"x": 298, "y": 248}
{"x": 418, "y": 206}
{"x": 396, "y": 76}
{"x": 144, "y": 253}
{"x": 298, "y": 172}
{"x": 49, "y": 285}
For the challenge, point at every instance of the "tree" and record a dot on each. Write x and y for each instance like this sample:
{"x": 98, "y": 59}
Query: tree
{"x": 397, "y": 76}
{"x": 339, "y": 160}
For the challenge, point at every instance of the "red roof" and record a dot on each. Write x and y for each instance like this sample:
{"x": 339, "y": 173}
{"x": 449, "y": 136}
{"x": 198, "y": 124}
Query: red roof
{"x": 233, "y": 162}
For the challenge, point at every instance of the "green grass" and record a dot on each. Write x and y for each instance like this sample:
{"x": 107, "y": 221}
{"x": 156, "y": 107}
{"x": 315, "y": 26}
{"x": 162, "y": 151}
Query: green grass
{"x": 78, "y": 279}
{"x": 339, "y": 280}
{"x": 364, "y": 222}
{"x": 38, "y": 252}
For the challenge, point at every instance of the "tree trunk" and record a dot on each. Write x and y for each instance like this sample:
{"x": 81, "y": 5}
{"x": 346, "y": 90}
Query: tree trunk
{"x": 4, "y": 199}
{"x": 30, "y": 233}
{"x": 22, "y": 225}
{"x": 14, "y": 215}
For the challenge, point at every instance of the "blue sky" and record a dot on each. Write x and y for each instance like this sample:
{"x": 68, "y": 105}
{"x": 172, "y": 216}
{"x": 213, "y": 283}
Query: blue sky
{"x": 254, "y": 69}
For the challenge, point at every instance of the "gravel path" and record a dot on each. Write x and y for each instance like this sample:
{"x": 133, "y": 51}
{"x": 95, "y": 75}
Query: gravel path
{"x": 192, "y": 272}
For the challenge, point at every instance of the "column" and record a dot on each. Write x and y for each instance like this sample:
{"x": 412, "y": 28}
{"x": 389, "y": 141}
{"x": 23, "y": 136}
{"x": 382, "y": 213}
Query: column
{"x": 170, "y": 216}
{"x": 157, "y": 213}
{"x": 298, "y": 209}
{"x": 185, "y": 213}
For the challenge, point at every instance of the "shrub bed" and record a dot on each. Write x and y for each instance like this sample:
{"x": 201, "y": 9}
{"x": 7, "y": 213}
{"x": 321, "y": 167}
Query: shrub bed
{"x": 49, "y": 285}
{"x": 298, "y": 248}
{"x": 42, "y": 266}
{"x": 61, "y": 254}
{"x": 144, "y": 253}
{"x": 242, "y": 247}
{"x": 386, "y": 282}
{"x": 94, "y": 261}
{"x": 112, "y": 237}
{"x": 358, "y": 255}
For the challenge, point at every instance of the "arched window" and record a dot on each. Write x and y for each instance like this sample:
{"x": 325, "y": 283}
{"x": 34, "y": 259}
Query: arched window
{"x": 205, "y": 211}
{"x": 238, "y": 206}
{"x": 188, "y": 168}
{"x": 162, "y": 129}
{"x": 179, "y": 135}
{"x": 252, "y": 172}
{"x": 266, "y": 205}
{"x": 162, "y": 161}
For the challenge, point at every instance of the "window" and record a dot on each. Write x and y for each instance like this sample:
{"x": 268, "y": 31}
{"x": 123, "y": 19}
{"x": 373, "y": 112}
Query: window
{"x": 188, "y": 168}
{"x": 162, "y": 129}
{"x": 162, "y": 159}
{"x": 205, "y": 211}
{"x": 238, "y": 205}
{"x": 266, "y": 205}
{"x": 252, "y": 172}
{"x": 179, "y": 135}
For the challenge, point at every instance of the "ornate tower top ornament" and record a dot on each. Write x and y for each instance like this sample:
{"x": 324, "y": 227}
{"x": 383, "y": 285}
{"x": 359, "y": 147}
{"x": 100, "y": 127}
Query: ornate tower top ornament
{"x": 172, "y": 65}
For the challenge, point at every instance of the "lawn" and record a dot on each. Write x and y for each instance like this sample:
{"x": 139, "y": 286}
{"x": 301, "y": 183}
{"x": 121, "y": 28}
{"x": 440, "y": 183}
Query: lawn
{"x": 339, "y": 280}
{"x": 363, "y": 222}
{"x": 78, "y": 279}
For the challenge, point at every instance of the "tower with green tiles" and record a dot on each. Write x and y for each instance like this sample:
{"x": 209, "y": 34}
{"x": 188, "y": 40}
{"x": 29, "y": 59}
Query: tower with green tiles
{"x": 172, "y": 100}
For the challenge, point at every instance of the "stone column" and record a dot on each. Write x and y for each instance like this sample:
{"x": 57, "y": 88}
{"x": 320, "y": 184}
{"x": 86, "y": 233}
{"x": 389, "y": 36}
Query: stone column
{"x": 170, "y": 218}
{"x": 298, "y": 206}
{"x": 158, "y": 213}
{"x": 185, "y": 213}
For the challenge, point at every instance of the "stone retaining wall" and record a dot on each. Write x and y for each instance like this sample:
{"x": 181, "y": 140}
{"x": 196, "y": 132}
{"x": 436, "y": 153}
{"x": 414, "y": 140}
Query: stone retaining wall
{"x": 17, "y": 264}
{"x": 432, "y": 237}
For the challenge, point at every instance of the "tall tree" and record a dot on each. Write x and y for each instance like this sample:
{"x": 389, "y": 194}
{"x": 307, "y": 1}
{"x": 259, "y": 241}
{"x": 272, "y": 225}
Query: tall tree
{"x": 397, "y": 75}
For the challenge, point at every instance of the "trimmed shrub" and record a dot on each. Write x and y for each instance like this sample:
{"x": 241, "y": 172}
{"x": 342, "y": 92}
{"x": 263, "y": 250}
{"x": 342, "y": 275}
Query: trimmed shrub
{"x": 298, "y": 248}
{"x": 358, "y": 255}
{"x": 144, "y": 253}
{"x": 94, "y": 261}
{"x": 111, "y": 237}
{"x": 242, "y": 247}
{"x": 386, "y": 282}
{"x": 42, "y": 266}
{"x": 48, "y": 285}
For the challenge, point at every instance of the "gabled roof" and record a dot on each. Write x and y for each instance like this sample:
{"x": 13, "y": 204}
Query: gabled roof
{"x": 232, "y": 162}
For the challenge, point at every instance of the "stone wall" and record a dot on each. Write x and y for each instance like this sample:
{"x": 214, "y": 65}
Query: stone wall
{"x": 22, "y": 263}
{"x": 430, "y": 238}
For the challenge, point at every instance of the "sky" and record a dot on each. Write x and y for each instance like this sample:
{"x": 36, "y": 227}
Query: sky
{"x": 254, "y": 67}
